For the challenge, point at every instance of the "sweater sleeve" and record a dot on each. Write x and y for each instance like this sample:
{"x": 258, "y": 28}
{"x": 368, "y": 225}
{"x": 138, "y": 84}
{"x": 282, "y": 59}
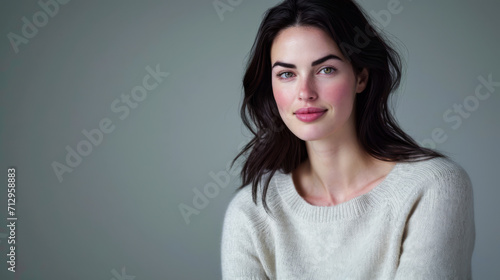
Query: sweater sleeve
{"x": 440, "y": 232}
{"x": 240, "y": 259}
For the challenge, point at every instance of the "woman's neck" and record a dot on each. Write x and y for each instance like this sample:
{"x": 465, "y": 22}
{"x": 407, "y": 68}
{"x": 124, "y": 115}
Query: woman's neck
{"x": 337, "y": 171}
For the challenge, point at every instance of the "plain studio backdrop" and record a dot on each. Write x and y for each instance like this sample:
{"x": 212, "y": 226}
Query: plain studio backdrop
{"x": 121, "y": 117}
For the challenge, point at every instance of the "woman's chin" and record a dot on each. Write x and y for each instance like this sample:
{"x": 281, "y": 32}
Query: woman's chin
{"x": 310, "y": 135}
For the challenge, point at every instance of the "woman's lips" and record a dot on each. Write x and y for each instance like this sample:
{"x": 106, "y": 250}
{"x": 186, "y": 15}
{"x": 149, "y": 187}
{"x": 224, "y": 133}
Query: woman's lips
{"x": 309, "y": 114}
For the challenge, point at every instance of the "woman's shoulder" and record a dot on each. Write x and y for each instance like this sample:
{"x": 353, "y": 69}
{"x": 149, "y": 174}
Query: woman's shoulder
{"x": 242, "y": 203}
{"x": 437, "y": 174}
{"x": 427, "y": 184}
{"x": 436, "y": 168}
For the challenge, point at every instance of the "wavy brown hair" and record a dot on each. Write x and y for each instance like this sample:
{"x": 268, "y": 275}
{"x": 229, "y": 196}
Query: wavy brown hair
{"x": 273, "y": 146}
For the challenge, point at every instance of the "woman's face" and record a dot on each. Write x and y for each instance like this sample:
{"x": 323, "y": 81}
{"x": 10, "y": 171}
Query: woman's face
{"x": 309, "y": 71}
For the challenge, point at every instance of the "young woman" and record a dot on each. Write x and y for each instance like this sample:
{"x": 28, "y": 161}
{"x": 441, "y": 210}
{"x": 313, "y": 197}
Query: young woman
{"x": 332, "y": 188}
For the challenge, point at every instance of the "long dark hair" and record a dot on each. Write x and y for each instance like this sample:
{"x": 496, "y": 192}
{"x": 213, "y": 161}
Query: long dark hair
{"x": 273, "y": 146}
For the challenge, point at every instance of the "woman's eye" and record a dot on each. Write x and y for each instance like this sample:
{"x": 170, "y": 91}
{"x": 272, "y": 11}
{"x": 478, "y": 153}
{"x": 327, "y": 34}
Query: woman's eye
{"x": 328, "y": 70}
{"x": 287, "y": 75}
{"x": 283, "y": 75}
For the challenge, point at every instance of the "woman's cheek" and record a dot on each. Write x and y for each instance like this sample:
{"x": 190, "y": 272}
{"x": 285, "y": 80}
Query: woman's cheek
{"x": 338, "y": 94}
{"x": 281, "y": 99}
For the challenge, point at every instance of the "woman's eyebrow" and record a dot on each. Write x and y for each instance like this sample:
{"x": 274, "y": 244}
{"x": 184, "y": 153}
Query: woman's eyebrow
{"x": 314, "y": 63}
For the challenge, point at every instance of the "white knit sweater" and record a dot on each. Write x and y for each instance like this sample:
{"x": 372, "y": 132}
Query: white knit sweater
{"x": 416, "y": 224}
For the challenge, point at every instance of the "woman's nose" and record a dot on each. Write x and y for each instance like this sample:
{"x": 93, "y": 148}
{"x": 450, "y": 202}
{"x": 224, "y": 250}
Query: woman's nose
{"x": 307, "y": 90}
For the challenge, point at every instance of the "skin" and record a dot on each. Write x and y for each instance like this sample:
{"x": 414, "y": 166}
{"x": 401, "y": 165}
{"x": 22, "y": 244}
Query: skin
{"x": 338, "y": 168}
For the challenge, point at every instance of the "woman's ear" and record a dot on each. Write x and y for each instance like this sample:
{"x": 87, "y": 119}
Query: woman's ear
{"x": 362, "y": 80}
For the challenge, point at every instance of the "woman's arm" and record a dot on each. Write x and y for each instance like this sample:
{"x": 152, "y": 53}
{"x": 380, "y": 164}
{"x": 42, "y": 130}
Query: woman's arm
{"x": 439, "y": 236}
{"x": 239, "y": 256}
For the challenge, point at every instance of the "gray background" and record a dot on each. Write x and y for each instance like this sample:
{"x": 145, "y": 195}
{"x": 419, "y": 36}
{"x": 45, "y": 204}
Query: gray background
{"x": 119, "y": 208}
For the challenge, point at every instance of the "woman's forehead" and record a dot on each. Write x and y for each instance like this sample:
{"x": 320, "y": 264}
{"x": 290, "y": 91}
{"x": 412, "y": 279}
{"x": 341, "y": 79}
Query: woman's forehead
{"x": 303, "y": 44}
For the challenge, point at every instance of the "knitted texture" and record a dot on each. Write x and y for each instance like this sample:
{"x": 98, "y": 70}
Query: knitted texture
{"x": 418, "y": 223}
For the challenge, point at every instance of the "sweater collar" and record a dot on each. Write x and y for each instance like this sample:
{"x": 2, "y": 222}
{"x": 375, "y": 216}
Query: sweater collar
{"x": 347, "y": 210}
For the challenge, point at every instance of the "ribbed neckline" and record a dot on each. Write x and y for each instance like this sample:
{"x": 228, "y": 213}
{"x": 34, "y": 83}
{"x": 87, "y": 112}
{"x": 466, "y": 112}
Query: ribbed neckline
{"x": 348, "y": 210}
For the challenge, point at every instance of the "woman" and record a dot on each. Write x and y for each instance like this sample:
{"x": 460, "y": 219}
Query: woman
{"x": 338, "y": 190}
